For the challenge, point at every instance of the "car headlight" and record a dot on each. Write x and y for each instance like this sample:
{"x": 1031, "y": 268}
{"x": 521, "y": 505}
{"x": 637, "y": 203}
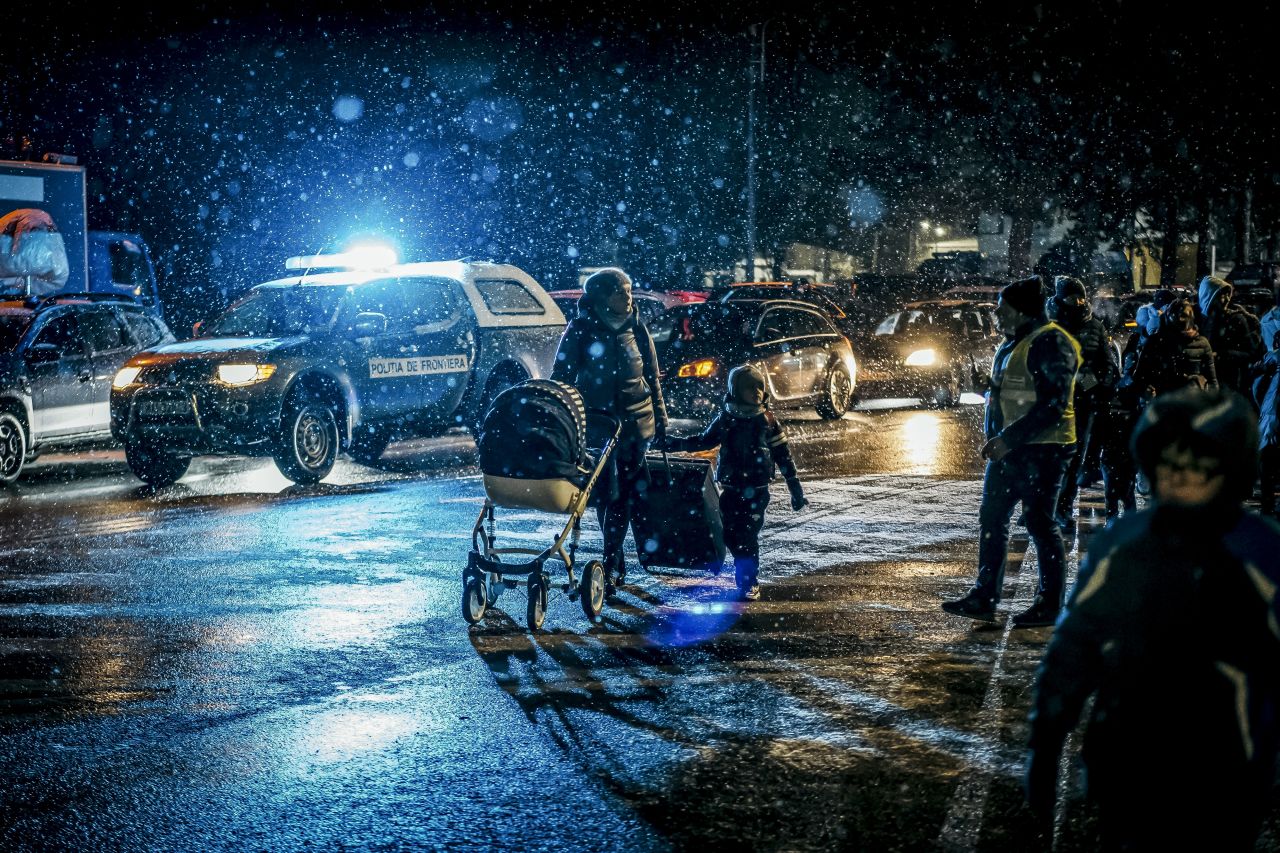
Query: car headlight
{"x": 922, "y": 358}
{"x": 125, "y": 377}
{"x": 244, "y": 374}
{"x": 700, "y": 369}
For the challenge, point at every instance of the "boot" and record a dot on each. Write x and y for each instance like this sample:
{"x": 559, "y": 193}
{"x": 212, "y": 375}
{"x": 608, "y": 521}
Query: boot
{"x": 972, "y": 606}
{"x": 1042, "y": 612}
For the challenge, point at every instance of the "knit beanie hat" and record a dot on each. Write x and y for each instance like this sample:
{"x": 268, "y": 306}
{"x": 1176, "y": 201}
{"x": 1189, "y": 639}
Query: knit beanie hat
{"x": 1026, "y": 296}
{"x": 602, "y": 284}
{"x": 1065, "y": 287}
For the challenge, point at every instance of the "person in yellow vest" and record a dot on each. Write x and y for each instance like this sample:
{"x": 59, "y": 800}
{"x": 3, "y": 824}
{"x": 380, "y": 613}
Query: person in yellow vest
{"x": 1031, "y": 436}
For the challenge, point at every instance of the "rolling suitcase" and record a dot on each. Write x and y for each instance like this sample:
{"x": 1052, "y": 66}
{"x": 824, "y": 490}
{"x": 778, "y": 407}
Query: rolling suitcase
{"x": 678, "y": 525}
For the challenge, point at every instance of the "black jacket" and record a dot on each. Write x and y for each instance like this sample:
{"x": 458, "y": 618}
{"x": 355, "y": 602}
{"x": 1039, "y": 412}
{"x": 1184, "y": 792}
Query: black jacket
{"x": 750, "y": 447}
{"x": 1099, "y": 371}
{"x": 1172, "y": 623}
{"x": 615, "y": 371}
{"x": 1170, "y": 360}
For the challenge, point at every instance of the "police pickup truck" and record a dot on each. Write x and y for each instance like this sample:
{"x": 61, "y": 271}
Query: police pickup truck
{"x": 303, "y": 368}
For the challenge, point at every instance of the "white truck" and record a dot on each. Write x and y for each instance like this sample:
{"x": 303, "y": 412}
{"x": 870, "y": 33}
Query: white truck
{"x": 46, "y": 246}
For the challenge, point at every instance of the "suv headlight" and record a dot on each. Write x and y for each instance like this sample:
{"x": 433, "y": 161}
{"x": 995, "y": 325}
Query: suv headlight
{"x": 244, "y": 374}
{"x": 922, "y": 358}
{"x": 125, "y": 377}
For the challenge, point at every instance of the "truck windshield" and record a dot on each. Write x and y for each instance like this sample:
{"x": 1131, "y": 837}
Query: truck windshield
{"x": 11, "y": 329}
{"x": 277, "y": 312}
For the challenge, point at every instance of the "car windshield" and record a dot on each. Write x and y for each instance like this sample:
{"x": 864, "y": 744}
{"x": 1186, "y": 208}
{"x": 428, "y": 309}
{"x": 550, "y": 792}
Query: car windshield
{"x": 914, "y": 321}
{"x": 12, "y": 327}
{"x": 277, "y": 312}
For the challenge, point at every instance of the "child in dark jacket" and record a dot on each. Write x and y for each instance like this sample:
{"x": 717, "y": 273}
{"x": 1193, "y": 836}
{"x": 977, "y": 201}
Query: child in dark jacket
{"x": 751, "y": 444}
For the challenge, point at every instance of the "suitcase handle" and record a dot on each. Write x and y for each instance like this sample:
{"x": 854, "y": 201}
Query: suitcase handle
{"x": 667, "y": 463}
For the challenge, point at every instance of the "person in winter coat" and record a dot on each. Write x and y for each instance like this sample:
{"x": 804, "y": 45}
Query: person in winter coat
{"x": 1095, "y": 381}
{"x": 752, "y": 444}
{"x": 1173, "y": 625}
{"x": 1234, "y": 334}
{"x": 1031, "y": 436}
{"x": 1266, "y": 392}
{"x": 1175, "y": 356}
{"x": 607, "y": 354}
{"x": 1270, "y": 321}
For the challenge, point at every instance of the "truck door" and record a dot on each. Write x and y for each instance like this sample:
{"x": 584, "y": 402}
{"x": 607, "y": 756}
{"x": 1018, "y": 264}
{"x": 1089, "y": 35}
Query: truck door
{"x": 390, "y": 379}
{"x": 110, "y": 346}
{"x": 445, "y": 340}
{"x": 61, "y": 373}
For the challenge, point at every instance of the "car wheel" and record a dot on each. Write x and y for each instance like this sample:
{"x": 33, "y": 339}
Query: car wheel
{"x": 837, "y": 393}
{"x": 368, "y": 443}
{"x": 153, "y": 466}
{"x": 309, "y": 441}
{"x": 13, "y": 448}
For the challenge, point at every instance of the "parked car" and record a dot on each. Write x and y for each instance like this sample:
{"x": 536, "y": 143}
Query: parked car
{"x": 58, "y": 355}
{"x": 302, "y": 368}
{"x": 807, "y": 361}
{"x": 927, "y": 351}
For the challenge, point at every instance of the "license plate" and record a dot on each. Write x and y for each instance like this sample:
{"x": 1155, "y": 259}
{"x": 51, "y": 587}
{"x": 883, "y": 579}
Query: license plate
{"x": 874, "y": 375}
{"x": 164, "y": 408}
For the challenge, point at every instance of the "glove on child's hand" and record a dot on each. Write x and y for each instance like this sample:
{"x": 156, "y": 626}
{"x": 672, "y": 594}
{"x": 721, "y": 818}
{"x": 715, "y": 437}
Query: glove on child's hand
{"x": 798, "y": 500}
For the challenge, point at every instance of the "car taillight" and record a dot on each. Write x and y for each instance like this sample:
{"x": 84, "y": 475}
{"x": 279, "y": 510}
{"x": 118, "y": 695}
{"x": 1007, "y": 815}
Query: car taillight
{"x": 703, "y": 368}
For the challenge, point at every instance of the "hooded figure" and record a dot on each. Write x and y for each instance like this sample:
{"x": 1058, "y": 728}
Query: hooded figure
{"x": 1173, "y": 625}
{"x": 752, "y": 446}
{"x": 1176, "y": 356}
{"x": 1234, "y": 334}
{"x": 607, "y": 354}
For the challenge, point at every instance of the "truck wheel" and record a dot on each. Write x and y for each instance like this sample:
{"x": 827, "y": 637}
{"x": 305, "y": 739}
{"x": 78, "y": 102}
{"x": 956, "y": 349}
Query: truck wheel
{"x": 153, "y": 466}
{"x": 309, "y": 441}
{"x": 837, "y": 393}
{"x": 368, "y": 444}
{"x": 13, "y": 448}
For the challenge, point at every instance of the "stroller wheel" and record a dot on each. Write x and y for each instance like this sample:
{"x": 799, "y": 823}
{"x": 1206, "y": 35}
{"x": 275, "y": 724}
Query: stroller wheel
{"x": 537, "y": 608}
{"x": 495, "y": 587}
{"x": 474, "y": 599}
{"x": 591, "y": 589}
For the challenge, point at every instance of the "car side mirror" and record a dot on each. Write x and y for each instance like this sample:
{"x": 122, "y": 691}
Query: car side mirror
{"x": 368, "y": 324}
{"x": 43, "y": 354}
{"x": 196, "y": 328}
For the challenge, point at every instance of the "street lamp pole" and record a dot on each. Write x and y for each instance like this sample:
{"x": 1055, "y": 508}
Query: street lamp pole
{"x": 750, "y": 271}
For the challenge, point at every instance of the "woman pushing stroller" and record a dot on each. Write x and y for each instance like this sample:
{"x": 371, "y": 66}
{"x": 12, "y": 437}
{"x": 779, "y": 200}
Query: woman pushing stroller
{"x": 608, "y": 355}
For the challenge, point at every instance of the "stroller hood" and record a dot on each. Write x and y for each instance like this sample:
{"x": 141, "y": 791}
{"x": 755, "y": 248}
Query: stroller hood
{"x": 534, "y": 431}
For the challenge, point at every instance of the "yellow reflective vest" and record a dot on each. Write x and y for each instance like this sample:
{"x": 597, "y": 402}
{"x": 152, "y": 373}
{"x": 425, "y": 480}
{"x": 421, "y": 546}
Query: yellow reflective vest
{"x": 1018, "y": 390}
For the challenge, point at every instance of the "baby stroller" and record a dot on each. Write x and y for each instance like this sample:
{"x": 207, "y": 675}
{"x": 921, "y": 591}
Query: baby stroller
{"x": 534, "y": 455}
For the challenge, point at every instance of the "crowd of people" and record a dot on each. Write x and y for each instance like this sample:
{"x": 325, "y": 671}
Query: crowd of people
{"x": 1173, "y": 625}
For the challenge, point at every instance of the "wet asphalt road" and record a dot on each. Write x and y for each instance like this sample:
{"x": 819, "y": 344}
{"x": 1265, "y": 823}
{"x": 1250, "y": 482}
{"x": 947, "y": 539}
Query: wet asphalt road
{"x": 235, "y": 663}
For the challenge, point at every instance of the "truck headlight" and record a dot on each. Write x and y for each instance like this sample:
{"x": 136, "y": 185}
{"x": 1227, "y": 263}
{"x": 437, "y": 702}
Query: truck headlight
{"x": 922, "y": 358}
{"x": 125, "y": 377}
{"x": 244, "y": 374}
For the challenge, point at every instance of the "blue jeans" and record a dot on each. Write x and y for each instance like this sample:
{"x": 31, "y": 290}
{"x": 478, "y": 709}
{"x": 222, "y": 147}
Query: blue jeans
{"x": 1033, "y": 475}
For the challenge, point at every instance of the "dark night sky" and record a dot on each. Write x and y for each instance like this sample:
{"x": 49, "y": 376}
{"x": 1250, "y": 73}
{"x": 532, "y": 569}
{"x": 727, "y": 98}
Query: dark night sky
{"x": 234, "y": 134}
